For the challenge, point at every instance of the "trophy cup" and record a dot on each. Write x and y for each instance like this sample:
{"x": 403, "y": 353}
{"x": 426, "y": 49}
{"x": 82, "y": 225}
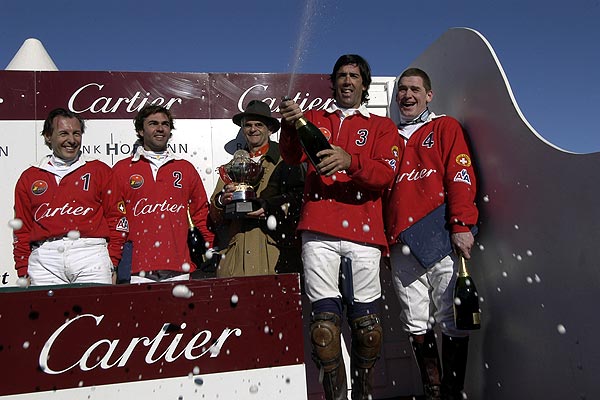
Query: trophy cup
{"x": 244, "y": 173}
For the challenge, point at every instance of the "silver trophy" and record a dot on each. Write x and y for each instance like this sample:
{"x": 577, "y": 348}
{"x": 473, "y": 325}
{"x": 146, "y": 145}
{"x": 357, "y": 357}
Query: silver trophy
{"x": 244, "y": 174}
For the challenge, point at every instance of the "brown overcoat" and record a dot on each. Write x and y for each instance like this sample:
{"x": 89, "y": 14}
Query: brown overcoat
{"x": 248, "y": 246}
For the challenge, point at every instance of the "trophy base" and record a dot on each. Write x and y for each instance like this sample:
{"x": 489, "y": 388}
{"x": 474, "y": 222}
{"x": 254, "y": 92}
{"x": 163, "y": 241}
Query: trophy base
{"x": 239, "y": 209}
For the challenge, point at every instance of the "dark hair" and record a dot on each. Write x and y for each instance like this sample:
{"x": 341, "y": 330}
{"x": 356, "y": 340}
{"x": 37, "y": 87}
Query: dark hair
{"x": 420, "y": 73}
{"x": 363, "y": 66}
{"x": 149, "y": 110}
{"x": 60, "y": 112}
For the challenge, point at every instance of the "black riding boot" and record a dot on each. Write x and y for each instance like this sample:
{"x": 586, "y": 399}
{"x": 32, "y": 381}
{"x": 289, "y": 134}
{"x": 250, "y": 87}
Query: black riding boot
{"x": 454, "y": 365}
{"x": 428, "y": 360}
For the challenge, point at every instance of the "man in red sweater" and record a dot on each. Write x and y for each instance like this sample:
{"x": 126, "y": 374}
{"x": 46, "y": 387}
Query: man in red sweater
{"x": 158, "y": 189}
{"x": 73, "y": 227}
{"x": 342, "y": 224}
{"x": 435, "y": 169}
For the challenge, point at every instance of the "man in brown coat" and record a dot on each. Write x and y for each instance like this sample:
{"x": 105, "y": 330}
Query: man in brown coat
{"x": 262, "y": 241}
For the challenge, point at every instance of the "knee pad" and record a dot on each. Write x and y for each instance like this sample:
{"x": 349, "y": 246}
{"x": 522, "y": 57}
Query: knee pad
{"x": 366, "y": 340}
{"x": 325, "y": 330}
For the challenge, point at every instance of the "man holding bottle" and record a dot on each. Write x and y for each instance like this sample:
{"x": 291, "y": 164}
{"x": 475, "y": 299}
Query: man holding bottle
{"x": 158, "y": 189}
{"x": 342, "y": 224}
{"x": 435, "y": 170}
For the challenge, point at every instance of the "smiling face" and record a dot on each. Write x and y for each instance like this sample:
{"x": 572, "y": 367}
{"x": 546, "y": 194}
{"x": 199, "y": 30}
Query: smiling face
{"x": 156, "y": 132}
{"x": 348, "y": 86}
{"x": 256, "y": 133}
{"x": 65, "y": 139}
{"x": 412, "y": 97}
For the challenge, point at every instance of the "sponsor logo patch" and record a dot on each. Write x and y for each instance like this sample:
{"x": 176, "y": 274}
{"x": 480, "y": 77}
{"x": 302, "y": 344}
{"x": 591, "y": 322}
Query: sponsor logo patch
{"x": 136, "y": 181}
{"x": 121, "y": 207}
{"x": 463, "y": 160}
{"x": 123, "y": 225}
{"x": 463, "y": 176}
{"x": 39, "y": 187}
{"x": 393, "y": 163}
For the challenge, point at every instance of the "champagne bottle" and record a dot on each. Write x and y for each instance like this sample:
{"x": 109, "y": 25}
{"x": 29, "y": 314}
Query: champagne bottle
{"x": 195, "y": 242}
{"x": 466, "y": 300}
{"x": 311, "y": 139}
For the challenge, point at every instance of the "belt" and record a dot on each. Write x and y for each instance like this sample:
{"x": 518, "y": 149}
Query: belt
{"x": 38, "y": 243}
{"x": 160, "y": 274}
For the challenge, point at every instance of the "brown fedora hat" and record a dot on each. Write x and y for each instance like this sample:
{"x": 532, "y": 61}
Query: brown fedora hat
{"x": 257, "y": 108}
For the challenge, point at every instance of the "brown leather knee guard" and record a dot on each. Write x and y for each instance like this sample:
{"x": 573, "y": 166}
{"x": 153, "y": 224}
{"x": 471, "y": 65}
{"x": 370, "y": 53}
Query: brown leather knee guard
{"x": 366, "y": 346}
{"x": 366, "y": 340}
{"x": 325, "y": 331}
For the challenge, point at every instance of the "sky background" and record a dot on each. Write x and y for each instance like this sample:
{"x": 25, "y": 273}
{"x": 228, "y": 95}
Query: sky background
{"x": 549, "y": 50}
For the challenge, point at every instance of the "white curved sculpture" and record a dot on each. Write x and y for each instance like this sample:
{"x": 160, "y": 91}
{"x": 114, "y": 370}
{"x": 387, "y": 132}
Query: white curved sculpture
{"x": 537, "y": 266}
{"x": 32, "y": 56}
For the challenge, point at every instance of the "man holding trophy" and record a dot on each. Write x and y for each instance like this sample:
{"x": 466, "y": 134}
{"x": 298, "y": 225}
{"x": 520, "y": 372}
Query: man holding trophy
{"x": 256, "y": 203}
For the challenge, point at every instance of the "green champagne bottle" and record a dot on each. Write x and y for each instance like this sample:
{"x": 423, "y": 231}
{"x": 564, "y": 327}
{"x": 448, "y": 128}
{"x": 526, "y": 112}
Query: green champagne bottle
{"x": 466, "y": 300}
{"x": 195, "y": 242}
{"x": 312, "y": 140}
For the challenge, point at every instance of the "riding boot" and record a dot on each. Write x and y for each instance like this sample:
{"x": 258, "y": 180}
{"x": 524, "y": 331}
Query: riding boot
{"x": 454, "y": 365}
{"x": 325, "y": 334}
{"x": 366, "y": 346}
{"x": 428, "y": 360}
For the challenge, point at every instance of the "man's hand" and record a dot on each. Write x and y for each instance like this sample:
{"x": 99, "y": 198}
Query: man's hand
{"x": 462, "y": 243}
{"x": 290, "y": 111}
{"x": 262, "y": 211}
{"x": 24, "y": 281}
{"x": 333, "y": 160}
{"x": 226, "y": 195}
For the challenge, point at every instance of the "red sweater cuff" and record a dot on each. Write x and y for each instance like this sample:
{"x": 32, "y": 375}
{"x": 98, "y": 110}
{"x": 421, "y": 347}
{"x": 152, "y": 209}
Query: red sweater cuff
{"x": 354, "y": 164}
{"x": 456, "y": 228}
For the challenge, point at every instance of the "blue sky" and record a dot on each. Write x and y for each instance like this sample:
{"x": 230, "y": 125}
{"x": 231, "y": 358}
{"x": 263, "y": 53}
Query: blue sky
{"x": 549, "y": 50}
